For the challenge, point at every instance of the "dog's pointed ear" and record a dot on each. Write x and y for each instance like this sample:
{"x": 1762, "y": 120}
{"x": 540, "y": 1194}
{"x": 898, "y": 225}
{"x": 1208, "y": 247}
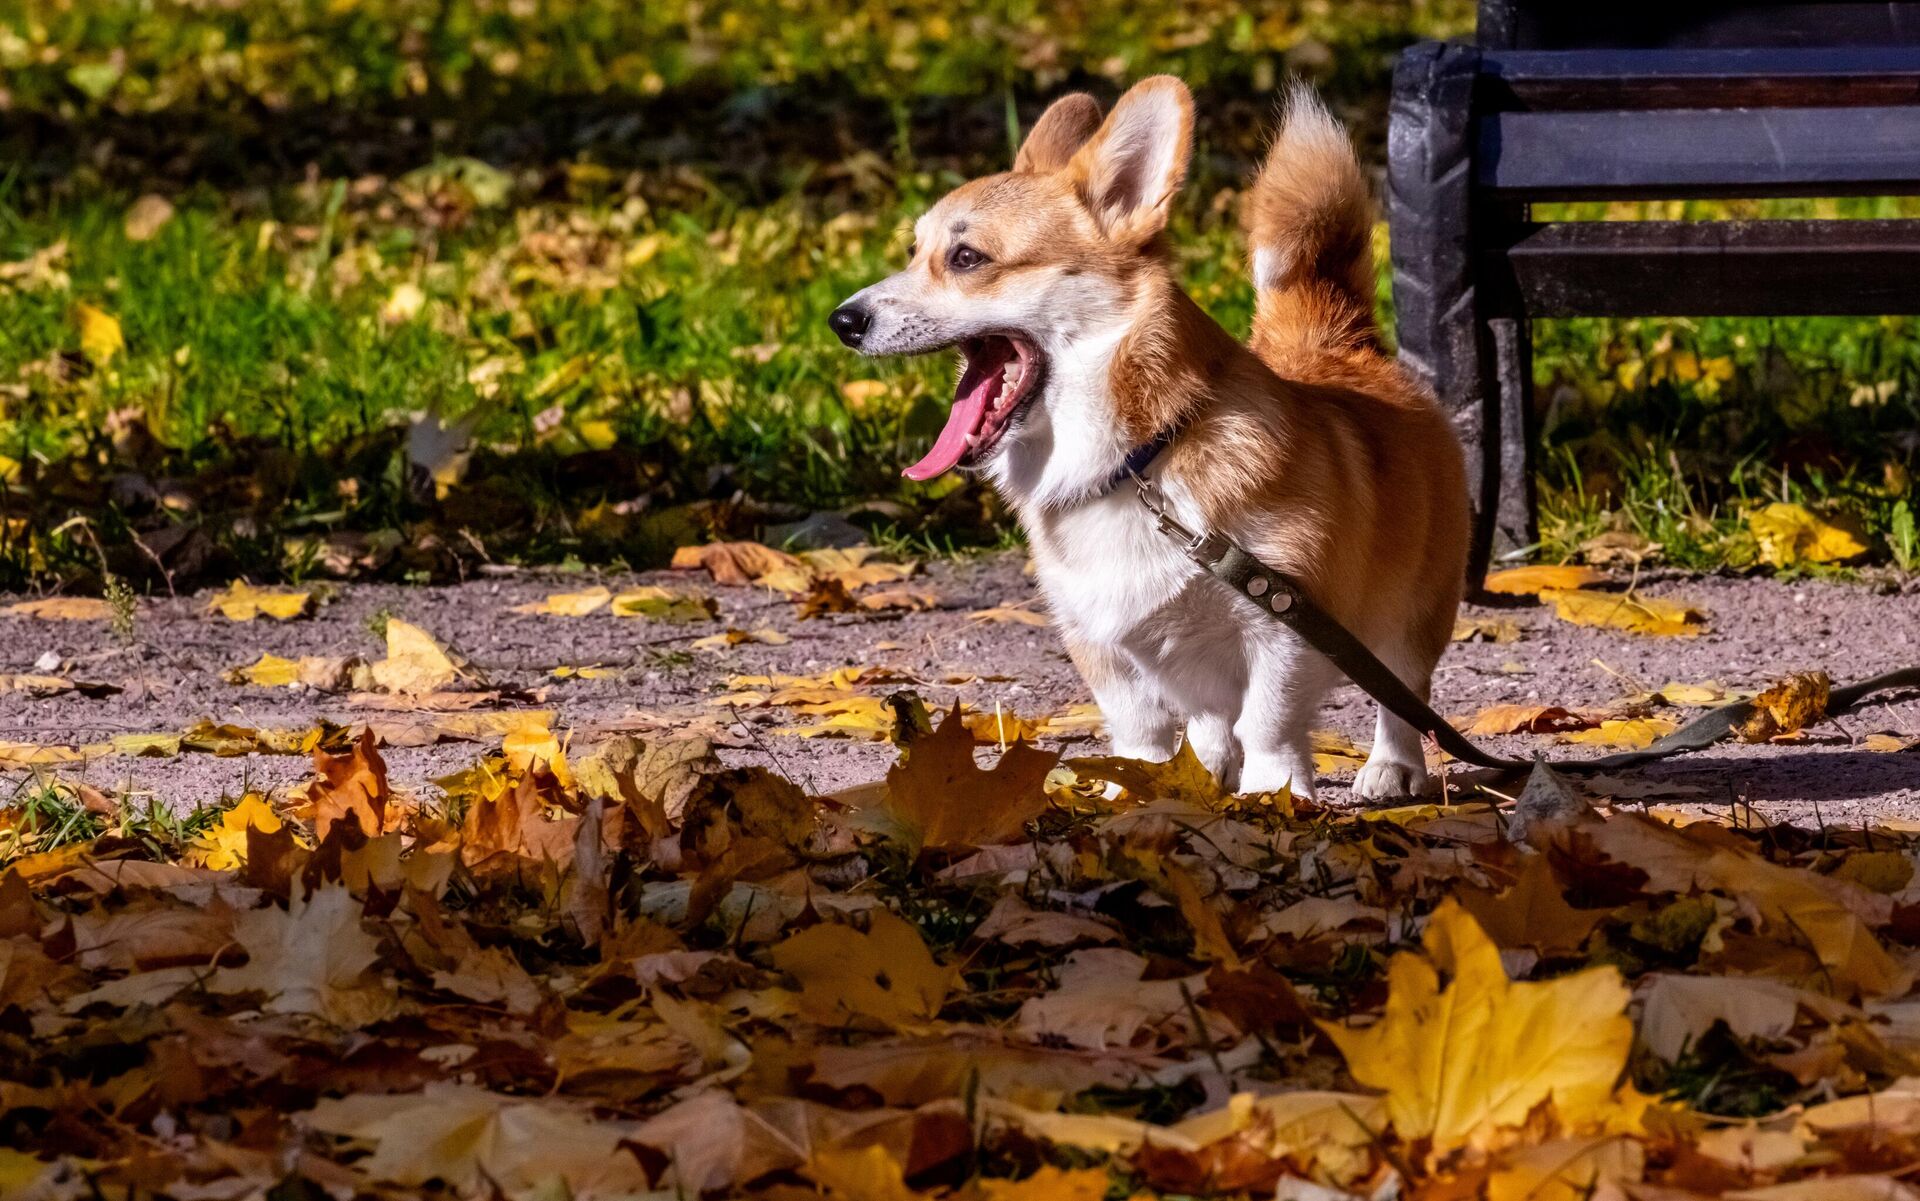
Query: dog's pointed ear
{"x": 1061, "y": 130}
{"x": 1131, "y": 170}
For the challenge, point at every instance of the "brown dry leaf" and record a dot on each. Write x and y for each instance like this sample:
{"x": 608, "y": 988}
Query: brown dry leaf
{"x": 913, "y": 600}
{"x": 1459, "y": 1063}
{"x": 1888, "y": 744}
{"x": 1639, "y": 615}
{"x": 1633, "y": 733}
{"x": 477, "y": 1141}
{"x": 1623, "y": 548}
{"x": 62, "y": 608}
{"x": 567, "y": 604}
{"x": 1183, "y": 778}
{"x": 1527, "y": 719}
{"x": 1788, "y": 706}
{"x": 243, "y": 602}
{"x": 1532, "y": 581}
{"x": 823, "y": 597}
{"x": 1533, "y": 912}
{"x": 146, "y": 217}
{"x": 355, "y": 783}
{"x": 765, "y": 635}
{"x": 1569, "y": 1169}
{"x": 1101, "y": 1000}
{"x": 734, "y": 563}
{"x": 1009, "y": 613}
{"x": 1678, "y": 1011}
{"x": 1333, "y": 751}
{"x": 311, "y": 671}
{"x": 1500, "y": 630}
{"x": 1789, "y": 534}
{"x": 885, "y": 975}
{"x": 943, "y": 798}
{"x": 313, "y": 958}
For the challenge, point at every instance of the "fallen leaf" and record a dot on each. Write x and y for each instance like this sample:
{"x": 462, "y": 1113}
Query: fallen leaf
{"x": 416, "y": 661}
{"x": 1460, "y": 1062}
{"x": 884, "y": 975}
{"x": 1500, "y": 630}
{"x": 1526, "y": 719}
{"x": 1789, "y": 534}
{"x": 733, "y": 563}
{"x": 1568, "y": 1169}
{"x": 100, "y": 336}
{"x": 63, "y": 608}
{"x": 765, "y": 635}
{"x": 942, "y": 797}
{"x": 223, "y": 847}
{"x": 1788, "y": 706}
{"x": 312, "y": 958}
{"x": 243, "y": 602}
{"x": 1532, "y": 913}
{"x": 659, "y": 604}
{"x": 567, "y": 604}
{"x": 1009, "y": 613}
{"x": 1532, "y": 581}
{"x": 146, "y": 217}
{"x": 475, "y": 1141}
{"x": 1631, "y": 732}
{"x": 1677, "y": 1011}
{"x": 1639, "y": 615}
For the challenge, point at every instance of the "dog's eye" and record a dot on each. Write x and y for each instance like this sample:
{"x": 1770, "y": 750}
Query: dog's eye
{"x": 913, "y": 251}
{"x": 965, "y": 258}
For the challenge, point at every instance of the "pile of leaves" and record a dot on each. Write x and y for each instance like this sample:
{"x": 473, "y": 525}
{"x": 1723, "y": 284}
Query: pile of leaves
{"x": 628, "y": 970}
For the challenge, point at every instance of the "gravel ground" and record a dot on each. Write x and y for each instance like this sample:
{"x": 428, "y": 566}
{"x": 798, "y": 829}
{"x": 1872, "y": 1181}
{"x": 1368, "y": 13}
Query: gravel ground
{"x": 171, "y": 676}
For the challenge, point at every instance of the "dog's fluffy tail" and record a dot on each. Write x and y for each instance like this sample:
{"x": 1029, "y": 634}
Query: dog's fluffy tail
{"x": 1309, "y": 225}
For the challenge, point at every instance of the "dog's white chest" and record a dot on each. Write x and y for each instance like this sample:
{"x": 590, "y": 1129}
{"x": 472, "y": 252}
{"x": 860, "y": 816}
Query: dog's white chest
{"x": 1112, "y": 580}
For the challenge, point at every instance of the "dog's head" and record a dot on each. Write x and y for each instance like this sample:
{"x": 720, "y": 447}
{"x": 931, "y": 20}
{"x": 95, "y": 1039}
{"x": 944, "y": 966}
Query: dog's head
{"x": 1035, "y": 276}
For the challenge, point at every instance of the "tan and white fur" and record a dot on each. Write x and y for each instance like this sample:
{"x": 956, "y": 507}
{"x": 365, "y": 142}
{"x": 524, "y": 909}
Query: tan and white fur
{"x": 1309, "y": 445}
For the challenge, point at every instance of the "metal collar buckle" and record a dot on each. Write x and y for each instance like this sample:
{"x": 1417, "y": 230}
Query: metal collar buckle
{"x": 1203, "y": 548}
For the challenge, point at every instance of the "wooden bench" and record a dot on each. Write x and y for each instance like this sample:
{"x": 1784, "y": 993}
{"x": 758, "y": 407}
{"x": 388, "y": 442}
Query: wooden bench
{"x": 1557, "y": 101}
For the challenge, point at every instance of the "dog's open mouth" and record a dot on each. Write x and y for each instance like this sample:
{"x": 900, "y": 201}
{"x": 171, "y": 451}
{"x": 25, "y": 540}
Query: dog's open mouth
{"x": 1001, "y": 374}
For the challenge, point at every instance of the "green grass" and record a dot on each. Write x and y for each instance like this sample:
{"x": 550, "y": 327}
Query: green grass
{"x": 634, "y": 345}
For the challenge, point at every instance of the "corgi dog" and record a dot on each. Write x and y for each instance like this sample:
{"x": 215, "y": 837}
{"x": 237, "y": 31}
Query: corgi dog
{"x": 1082, "y": 360}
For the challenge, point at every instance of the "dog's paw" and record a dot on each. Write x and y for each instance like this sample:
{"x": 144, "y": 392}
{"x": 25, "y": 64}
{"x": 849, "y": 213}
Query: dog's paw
{"x": 1379, "y": 781}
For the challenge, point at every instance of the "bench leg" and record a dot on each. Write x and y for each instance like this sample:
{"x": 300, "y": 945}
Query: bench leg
{"x": 1514, "y": 526}
{"x": 1443, "y": 335}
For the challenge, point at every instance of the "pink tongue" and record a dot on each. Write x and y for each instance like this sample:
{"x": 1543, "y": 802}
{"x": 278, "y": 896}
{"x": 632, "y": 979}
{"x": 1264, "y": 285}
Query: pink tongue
{"x": 968, "y": 414}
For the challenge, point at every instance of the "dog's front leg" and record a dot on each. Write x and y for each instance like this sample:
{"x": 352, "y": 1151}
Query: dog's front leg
{"x": 1140, "y": 722}
{"x": 1286, "y": 683}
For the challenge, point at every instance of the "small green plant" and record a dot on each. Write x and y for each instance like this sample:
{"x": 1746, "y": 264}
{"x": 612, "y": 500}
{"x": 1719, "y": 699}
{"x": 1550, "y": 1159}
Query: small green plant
{"x": 1902, "y": 539}
{"x": 377, "y": 620}
{"x": 125, "y": 605}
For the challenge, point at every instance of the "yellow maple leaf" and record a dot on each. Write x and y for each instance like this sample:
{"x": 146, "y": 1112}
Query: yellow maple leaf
{"x": 243, "y": 602}
{"x": 415, "y": 662}
{"x": 224, "y": 846}
{"x": 1788, "y": 534}
{"x": 534, "y": 743}
{"x": 1789, "y": 705}
{"x": 868, "y": 1174}
{"x": 1631, "y": 732}
{"x": 1621, "y": 611}
{"x": 1531, "y": 581}
{"x": 884, "y": 975}
{"x": 1568, "y": 1169}
{"x": 1049, "y": 1184}
{"x": 100, "y": 336}
{"x": 568, "y": 604}
{"x": 1461, "y": 1062}
{"x": 660, "y": 604}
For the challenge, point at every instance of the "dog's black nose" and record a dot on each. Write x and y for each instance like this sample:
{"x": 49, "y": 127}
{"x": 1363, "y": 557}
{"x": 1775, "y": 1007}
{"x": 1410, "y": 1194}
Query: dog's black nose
{"x": 850, "y": 321}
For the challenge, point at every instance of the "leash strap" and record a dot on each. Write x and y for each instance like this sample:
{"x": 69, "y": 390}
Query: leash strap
{"x": 1280, "y": 597}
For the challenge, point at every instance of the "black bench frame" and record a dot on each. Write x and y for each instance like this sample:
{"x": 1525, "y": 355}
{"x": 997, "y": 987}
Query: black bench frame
{"x": 1478, "y": 133}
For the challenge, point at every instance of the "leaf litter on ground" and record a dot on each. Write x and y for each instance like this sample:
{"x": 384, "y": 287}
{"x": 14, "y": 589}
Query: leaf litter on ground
{"x": 614, "y": 968}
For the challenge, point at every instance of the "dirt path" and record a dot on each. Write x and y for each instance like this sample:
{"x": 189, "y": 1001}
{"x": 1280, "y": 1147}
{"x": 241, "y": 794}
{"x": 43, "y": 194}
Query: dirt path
{"x": 171, "y": 676}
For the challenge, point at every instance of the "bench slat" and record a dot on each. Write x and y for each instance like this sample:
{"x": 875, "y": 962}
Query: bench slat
{"x": 1642, "y": 79}
{"x": 1715, "y": 268}
{"x": 1709, "y": 152}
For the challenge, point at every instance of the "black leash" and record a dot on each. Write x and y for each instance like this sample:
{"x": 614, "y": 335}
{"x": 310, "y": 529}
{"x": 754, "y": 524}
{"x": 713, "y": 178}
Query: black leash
{"x": 1281, "y": 597}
